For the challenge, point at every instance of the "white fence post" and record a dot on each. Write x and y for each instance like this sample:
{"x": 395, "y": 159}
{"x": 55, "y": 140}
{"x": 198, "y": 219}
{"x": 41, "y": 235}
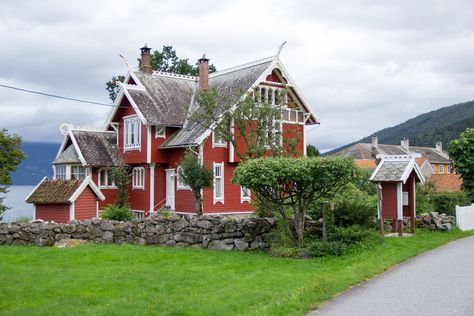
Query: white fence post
{"x": 465, "y": 217}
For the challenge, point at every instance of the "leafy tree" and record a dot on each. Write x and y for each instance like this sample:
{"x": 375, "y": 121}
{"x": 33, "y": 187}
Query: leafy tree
{"x": 312, "y": 151}
{"x": 10, "y": 156}
{"x": 112, "y": 87}
{"x": 461, "y": 151}
{"x": 121, "y": 177}
{"x": 165, "y": 60}
{"x": 196, "y": 176}
{"x": 252, "y": 125}
{"x": 288, "y": 186}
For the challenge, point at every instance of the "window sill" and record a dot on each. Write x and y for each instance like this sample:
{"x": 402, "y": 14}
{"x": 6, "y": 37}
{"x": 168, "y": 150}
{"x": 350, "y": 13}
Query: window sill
{"x": 108, "y": 187}
{"x": 138, "y": 188}
{"x": 218, "y": 201}
{"x": 132, "y": 149}
{"x": 219, "y": 145}
{"x": 179, "y": 188}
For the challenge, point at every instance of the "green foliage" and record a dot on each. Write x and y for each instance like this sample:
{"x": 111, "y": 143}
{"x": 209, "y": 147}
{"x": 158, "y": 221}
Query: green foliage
{"x": 446, "y": 202}
{"x": 116, "y": 212}
{"x": 354, "y": 207}
{"x": 255, "y": 121}
{"x": 10, "y": 158}
{"x": 326, "y": 248}
{"x": 288, "y": 186}
{"x": 351, "y": 235}
{"x": 122, "y": 180}
{"x": 196, "y": 176}
{"x": 362, "y": 181}
{"x": 166, "y": 61}
{"x": 461, "y": 151}
{"x": 424, "y": 194}
{"x": 112, "y": 86}
{"x": 312, "y": 151}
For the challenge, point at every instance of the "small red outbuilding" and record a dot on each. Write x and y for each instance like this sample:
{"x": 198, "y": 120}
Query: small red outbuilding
{"x": 397, "y": 176}
{"x": 65, "y": 200}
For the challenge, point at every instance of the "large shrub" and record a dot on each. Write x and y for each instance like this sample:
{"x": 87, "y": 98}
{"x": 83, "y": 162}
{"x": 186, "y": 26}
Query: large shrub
{"x": 116, "y": 213}
{"x": 288, "y": 186}
{"x": 461, "y": 151}
{"x": 446, "y": 202}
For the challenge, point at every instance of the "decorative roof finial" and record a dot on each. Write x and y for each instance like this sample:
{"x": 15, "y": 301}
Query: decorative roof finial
{"x": 280, "y": 48}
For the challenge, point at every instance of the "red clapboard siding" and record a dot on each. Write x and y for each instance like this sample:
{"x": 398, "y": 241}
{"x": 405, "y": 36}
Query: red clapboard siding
{"x": 53, "y": 212}
{"x": 86, "y": 205}
{"x": 109, "y": 194}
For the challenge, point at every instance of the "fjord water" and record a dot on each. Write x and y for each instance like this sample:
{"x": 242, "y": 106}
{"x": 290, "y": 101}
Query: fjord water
{"x": 15, "y": 199}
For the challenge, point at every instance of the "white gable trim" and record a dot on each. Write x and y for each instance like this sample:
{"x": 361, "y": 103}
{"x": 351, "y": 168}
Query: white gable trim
{"x": 135, "y": 107}
{"x": 86, "y": 182}
{"x": 78, "y": 150}
{"x": 36, "y": 187}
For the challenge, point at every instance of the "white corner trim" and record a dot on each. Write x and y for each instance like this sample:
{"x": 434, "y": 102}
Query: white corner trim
{"x": 97, "y": 209}
{"x": 72, "y": 213}
{"x": 148, "y": 144}
{"x": 152, "y": 187}
{"x": 399, "y": 201}
{"x": 36, "y": 187}
{"x": 86, "y": 182}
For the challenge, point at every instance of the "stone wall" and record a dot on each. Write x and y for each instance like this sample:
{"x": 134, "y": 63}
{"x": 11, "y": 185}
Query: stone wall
{"x": 208, "y": 231}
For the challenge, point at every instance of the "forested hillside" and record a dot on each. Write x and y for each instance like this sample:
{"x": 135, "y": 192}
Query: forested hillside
{"x": 426, "y": 129}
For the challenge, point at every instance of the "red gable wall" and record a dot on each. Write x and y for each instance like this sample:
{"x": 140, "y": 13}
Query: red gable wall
{"x": 86, "y": 205}
{"x": 53, "y": 212}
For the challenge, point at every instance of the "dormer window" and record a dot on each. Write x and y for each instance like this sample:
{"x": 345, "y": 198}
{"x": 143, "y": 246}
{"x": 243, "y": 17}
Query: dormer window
{"x": 78, "y": 173}
{"x": 132, "y": 133}
{"x": 160, "y": 132}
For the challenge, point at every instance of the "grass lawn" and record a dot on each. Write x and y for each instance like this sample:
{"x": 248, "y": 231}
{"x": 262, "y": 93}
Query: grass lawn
{"x": 138, "y": 280}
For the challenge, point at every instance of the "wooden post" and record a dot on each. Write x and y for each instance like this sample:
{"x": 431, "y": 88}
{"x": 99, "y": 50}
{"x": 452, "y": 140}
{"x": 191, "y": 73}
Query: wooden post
{"x": 400, "y": 228}
{"x": 325, "y": 233}
{"x": 379, "y": 209}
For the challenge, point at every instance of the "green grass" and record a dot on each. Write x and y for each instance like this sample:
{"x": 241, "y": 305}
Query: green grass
{"x": 137, "y": 280}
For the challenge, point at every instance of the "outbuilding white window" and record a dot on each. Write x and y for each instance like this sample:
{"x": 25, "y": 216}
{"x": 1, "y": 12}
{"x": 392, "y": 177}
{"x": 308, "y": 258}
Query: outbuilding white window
{"x": 244, "y": 194}
{"x": 132, "y": 133}
{"x": 60, "y": 172}
{"x": 78, "y": 173}
{"x": 105, "y": 179}
{"x": 180, "y": 181}
{"x": 160, "y": 132}
{"x": 449, "y": 169}
{"x": 218, "y": 183}
{"x": 441, "y": 168}
{"x": 138, "y": 178}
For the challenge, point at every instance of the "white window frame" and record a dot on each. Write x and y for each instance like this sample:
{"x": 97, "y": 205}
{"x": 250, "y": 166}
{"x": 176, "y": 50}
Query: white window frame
{"x": 449, "y": 169}
{"x": 217, "y": 199}
{"x": 179, "y": 181}
{"x": 77, "y": 172}
{"x": 58, "y": 174}
{"x": 138, "y": 178}
{"x": 217, "y": 142}
{"x": 245, "y": 195}
{"x": 160, "y": 131}
{"x": 132, "y": 126}
{"x": 100, "y": 182}
{"x": 441, "y": 168}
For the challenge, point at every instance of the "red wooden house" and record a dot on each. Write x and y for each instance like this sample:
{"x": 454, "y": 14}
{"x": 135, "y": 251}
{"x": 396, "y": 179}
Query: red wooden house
{"x": 149, "y": 130}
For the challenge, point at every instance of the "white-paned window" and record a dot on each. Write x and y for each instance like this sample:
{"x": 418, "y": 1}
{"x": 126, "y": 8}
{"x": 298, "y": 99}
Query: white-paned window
{"x": 441, "y": 168}
{"x": 60, "y": 172}
{"x": 218, "y": 183}
{"x": 244, "y": 194}
{"x": 449, "y": 169}
{"x": 218, "y": 141}
{"x": 78, "y": 173}
{"x": 160, "y": 132}
{"x": 132, "y": 133}
{"x": 180, "y": 182}
{"x": 138, "y": 178}
{"x": 105, "y": 180}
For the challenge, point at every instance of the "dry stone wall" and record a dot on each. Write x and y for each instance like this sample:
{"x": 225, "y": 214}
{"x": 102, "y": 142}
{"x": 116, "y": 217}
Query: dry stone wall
{"x": 208, "y": 231}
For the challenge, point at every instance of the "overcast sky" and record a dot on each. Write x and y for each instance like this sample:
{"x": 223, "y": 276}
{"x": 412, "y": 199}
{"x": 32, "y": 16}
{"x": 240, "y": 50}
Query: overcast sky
{"x": 362, "y": 65}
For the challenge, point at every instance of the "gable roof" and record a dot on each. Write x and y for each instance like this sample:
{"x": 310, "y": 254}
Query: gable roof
{"x": 396, "y": 168}
{"x": 88, "y": 147}
{"x": 61, "y": 191}
{"x": 367, "y": 151}
{"x": 167, "y": 99}
{"x": 447, "y": 182}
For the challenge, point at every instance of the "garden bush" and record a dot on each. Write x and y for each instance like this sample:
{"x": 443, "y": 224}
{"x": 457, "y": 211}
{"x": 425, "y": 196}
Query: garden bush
{"x": 325, "y": 248}
{"x": 349, "y": 235}
{"x": 116, "y": 213}
{"x": 446, "y": 202}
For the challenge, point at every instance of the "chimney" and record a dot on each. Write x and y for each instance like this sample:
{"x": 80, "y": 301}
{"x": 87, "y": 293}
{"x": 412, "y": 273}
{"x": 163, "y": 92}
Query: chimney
{"x": 375, "y": 142}
{"x": 439, "y": 147}
{"x": 203, "y": 72}
{"x": 405, "y": 144}
{"x": 146, "y": 60}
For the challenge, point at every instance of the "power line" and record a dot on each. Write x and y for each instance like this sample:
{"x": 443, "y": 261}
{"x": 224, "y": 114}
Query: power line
{"x": 56, "y": 96}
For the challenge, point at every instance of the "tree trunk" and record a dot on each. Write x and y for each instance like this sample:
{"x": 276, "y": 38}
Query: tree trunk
{"x": 299, "y": 226}
{"x": 198, "y": 203}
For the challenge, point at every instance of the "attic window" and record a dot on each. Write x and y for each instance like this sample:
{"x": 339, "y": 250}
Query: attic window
{"x": 60, "y": 172}
{"x": 160, "y": 132}
{"x": 78, "y": 173}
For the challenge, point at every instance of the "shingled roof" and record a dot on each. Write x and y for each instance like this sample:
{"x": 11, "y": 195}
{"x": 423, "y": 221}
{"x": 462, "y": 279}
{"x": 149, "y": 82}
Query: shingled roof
{"x": 99, "y": 148}
{"x": 396, "y": 168}
{"x": 54, "y": 191}
{"x": 231, "y": 85}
